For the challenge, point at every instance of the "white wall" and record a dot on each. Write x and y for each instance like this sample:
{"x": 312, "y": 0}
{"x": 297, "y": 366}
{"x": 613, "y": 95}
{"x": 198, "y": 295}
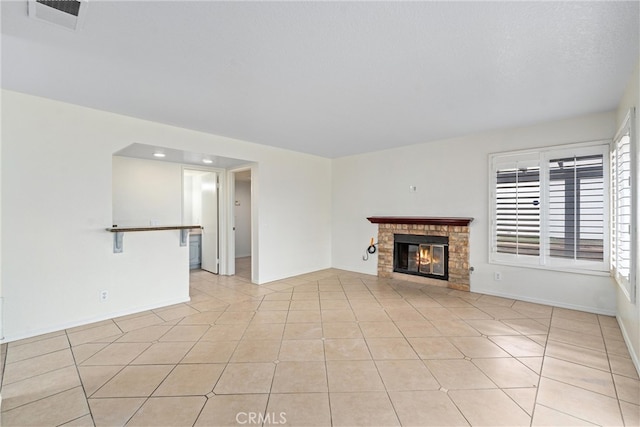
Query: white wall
{"x": 628, "y": 313}
{"x": 1, "y": 186}
{"x": 452, "y": 178}
{"x": 294, "y": 215}
{"x": 57, "y": 201}
{"x": 146, "y": 192}
{"x": 242, "y": 213}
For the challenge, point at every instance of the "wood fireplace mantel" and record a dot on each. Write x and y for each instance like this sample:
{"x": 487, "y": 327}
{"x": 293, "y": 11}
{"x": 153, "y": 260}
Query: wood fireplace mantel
{"x": 421, "y": 220}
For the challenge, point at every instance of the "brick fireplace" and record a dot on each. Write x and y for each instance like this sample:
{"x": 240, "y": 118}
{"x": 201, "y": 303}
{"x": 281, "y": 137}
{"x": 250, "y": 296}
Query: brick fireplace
{"x": 456, "y": 230}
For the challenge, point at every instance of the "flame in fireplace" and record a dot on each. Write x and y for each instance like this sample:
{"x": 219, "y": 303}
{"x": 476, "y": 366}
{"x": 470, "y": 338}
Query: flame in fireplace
{"x": 425, "y": 255}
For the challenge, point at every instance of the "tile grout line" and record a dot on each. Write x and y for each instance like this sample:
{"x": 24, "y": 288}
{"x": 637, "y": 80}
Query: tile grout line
{"x": 326, "y": 367}
{"x": 275, "y": 362}
{"x": 613, "y": 378}
{"x": 75, "y": 364}
{"x": 544, "y": 356}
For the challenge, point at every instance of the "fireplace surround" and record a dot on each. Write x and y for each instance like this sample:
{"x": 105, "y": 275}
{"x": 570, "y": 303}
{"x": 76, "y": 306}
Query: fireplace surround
{"x": 453, "y": 230}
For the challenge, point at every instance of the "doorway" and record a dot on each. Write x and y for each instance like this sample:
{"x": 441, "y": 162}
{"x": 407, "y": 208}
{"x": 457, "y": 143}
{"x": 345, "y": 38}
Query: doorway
{"x": 242, "y": 223}
{"x": 200, "y": 206}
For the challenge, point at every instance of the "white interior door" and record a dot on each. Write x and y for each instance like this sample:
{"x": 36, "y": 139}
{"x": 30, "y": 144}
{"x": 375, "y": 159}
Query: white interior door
{"x": 209, "y": 222}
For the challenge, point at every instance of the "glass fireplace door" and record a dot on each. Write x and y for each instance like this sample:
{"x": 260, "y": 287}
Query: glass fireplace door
{"x": 431, "y": 259}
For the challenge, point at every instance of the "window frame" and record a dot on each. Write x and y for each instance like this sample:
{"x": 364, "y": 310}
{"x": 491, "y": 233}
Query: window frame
{"x": 542, "y": 157}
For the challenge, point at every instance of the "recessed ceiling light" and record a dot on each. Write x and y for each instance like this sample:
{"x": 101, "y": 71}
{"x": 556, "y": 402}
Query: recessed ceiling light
{"x": 207, "y": 161}
{"x": 159, "y": 154}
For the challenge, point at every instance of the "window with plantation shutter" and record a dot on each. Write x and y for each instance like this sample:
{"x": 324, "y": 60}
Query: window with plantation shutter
{"x": 576, "y": 208}
{"x": 518, "y": 210}
{"x": 622, "y": 196}
{"x": 550, "y": 207}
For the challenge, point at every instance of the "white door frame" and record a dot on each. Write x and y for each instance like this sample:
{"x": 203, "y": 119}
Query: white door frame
{"x": 230, "y": 247}
{"x": 222, "y": 210}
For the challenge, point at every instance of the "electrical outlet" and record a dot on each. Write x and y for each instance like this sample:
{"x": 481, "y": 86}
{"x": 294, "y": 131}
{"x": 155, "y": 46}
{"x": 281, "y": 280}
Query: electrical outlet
{"x": 104, "y": 295}
{"x": 497, "y": 276}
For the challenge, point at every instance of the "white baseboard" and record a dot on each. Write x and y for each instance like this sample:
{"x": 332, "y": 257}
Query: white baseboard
{"x": 634, "y": 357}
{"x": 63, "y": 326}
{"x": 594, "y": 310}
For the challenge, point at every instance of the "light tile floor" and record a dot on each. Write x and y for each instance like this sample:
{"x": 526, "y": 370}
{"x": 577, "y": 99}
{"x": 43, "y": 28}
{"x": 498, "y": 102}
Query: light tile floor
{"x": 328, "y": 348}
{"x": 243, "y": 268}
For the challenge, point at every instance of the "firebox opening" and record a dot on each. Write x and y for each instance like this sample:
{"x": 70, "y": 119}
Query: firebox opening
{"x": 420, "y": 255}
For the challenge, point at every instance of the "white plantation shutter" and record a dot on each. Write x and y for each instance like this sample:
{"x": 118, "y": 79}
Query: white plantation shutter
{"x": 622, "y": 248}
{"x": 576, "y": 208}
{"x": 550, "y": 207}
{"x": 517, "y": 215}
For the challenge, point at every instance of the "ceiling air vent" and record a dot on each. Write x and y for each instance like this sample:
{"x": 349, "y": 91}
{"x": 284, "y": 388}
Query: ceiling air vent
{"x": 65, "y": 13}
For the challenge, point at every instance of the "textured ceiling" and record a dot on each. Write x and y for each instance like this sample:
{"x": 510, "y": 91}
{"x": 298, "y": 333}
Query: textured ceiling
{"x": 330, "y": 78}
